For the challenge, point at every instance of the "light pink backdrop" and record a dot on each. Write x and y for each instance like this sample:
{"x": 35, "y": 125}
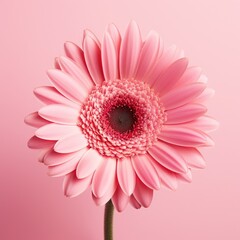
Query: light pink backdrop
{"x": 32, "y": 206}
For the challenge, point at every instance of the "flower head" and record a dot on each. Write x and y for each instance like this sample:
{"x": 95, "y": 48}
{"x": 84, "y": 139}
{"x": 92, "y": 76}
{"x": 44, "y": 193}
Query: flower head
{"x": 123, "y": 117}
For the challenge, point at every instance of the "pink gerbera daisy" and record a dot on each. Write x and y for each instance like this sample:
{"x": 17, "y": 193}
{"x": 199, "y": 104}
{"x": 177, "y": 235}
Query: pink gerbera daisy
{"x": 122, "y": 117}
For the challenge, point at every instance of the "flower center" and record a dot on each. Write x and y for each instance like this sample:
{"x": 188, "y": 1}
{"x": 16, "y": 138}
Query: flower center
{"x": 122, "y": 118}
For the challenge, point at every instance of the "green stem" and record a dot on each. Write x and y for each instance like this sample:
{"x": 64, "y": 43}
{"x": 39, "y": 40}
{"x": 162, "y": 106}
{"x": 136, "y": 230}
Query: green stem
{"x": 108, "y": 221}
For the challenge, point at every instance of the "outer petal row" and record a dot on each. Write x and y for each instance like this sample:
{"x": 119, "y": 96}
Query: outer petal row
{"x": 130, "y": 51}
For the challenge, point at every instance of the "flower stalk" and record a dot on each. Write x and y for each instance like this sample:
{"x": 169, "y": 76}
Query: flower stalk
{"x": 108, "y": 221}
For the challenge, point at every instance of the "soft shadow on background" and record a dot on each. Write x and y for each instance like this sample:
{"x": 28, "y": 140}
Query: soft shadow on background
{"x": 32, "y": 205}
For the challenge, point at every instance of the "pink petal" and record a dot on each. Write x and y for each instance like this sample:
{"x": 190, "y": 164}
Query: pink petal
{"x": 71, "y": 143}
{"x": 182, "y": 95}
{"x": 89, "y": 33}
{"x": 53, "y": 158}
{"x": 168, "y": 157}
{"x": 75, "y": 53}
{"x": 68, "y": 86}
{"x": 146, "y": 171}
{"x": 134, "y": 202}
{"x": 150, "y": 52}
{"x": 34, "y": 120}
{"x": 55, "y": 131}
{"x": 72, "y": 186}
{"x": 104, "y": 177}
{"x": 78, "y": 72}
{"x": 203, "y": 78}
{"x": 109, "y": 58}
{"x": 64, "y": 168}
{"x": 167, "y": 177}
{"x": 130, "y": 51}
{"x": 191, "y": 75}
{"x": 204, "y": 123}
{"x": 185, "y": 136}
{"x": 38, "y": 143}
{"x": 43, "y": 153}
{"x": 185, "y": 177}
{"x": 92, "y": 54}
{"x": 168, "y": 56}
{"x": 205, "y": 95}
{"x": 126, "y": 175}
{"x": 116, "y": 37}
{"x": 49, "y": 95}
{"x": 56, "y": 63}
{"x": 89, "y": 163}
{"x": 120, "y": 200}
{"x": 185, "y": 113}
{"x": 170, "y": 77}
{"x": 143, "y": 194}
{"x": 192, "y": 157}
{"x": 59, "y": 113}
{"x": 107, "y": 196}
{"x": 164, "y": 61}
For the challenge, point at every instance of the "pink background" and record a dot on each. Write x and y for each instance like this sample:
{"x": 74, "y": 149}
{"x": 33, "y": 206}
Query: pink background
{"x": 32, "y": 205}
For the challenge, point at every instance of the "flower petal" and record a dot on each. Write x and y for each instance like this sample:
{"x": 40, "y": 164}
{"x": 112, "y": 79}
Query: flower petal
{"x": 56, "y": 63}
{"x": 203, "y": 78}
{"x": 109, "y": 58}
{"x": 64, "y": 168}
{"x": 104, "y": 177}
{"x": 168, "y": 157}
{"x": 152, "y": 48}
{"x": 38, "y": 143}
{"x": 192, "y": 157}
{"x": 116, "y": 37}
{"x": 34, "y": 120}
{"x": 72, "y": 186}
{"x": 42, "y": 154}
{"x": 146, "y": 171}
{"x": 205, "y": 95}
{"x": 120, "y": 199}
{"x": 182, "y": 95}
{"x": 53, "y": 158}
{"x": 89, "y": 33}
{"x": 79, "y": 73}
{"x": 59, "y": 113}
{"x": 185, "y": 177}
{"x": 185, "y": 113}
{"x": 126, "y": 175}
{"x": 134, "y": 202}
{"x": 49, "y": 95}
{"x": 71, "y": 143}
{"x": 130, "y": 50}
{"x": 55, "y": 131}
{"x": 167, "y": 177}
{"x": 164, "y": 61}
{"x": 75, "y": 53}
{"x": 185, "y": 136}
{"x": 67, "y": 85}
{"x": 204, "y": 123}
{"x": 107, "y": 196}
{"x": 143, "y": 194}
{"x": 89, "y": 163}
{"x": 191, "y": 75}
{"x": 170, "y": 77}
{"x": 92, "y": 54}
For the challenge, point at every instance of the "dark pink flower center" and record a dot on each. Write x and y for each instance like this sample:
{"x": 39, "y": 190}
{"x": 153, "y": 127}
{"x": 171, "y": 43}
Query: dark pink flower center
{"x": 122, "y": 118}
